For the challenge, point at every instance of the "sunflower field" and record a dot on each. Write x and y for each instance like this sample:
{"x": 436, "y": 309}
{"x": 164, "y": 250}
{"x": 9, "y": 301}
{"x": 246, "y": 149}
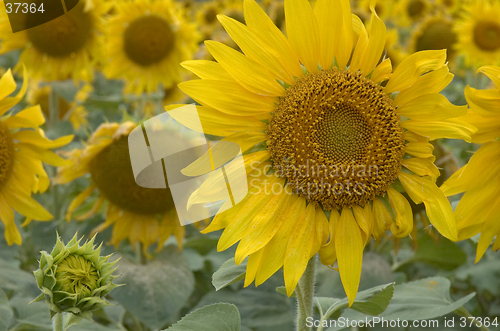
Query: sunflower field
{"x": 249, "y": 165}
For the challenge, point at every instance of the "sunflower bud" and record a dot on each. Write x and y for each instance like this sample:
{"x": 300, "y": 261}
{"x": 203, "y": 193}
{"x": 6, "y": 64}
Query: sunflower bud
{"x": 75, "y": 278}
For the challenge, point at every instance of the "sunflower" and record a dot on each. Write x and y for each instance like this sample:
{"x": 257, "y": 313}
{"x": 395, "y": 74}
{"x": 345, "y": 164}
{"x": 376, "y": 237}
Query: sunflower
{"x": 311, "y": 129}
{"x": 146, "y": 41}
{"x": 383, "y": 8}
{"x": 434, "y": 32}
{"x": 408, "y": 12}
{"x": 450, "y": 7}
{"x": 23, "y": 148}
{"x": 478, "y": 31}
{"x": 142, "y": 215}
{"x": 479, "y": 207}
{"x": 74, "y": 111}
{"x": 65, "y": 47}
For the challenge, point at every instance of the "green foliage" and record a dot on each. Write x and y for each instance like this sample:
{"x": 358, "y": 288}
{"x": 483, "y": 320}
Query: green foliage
{"x": 216, "y": 317}
{"x": 228, "y": 274}
{"x": 155, "y": 291}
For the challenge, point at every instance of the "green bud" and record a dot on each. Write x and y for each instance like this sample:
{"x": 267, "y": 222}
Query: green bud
{"x": 74, "y": 278}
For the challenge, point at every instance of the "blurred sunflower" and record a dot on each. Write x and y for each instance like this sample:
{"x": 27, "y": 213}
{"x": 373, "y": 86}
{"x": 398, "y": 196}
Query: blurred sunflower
{"x": 146, "y": 41}
{"x": 433, "y": 33}
{"x": 382, "y": 8}
{"x": 478, "y": 31}
{"x": 450, "y": 7}
{"x": 141, "y": 215}
{"x": 63, "y": 48}
{"x": 479, "y": 207}
{"x": 73, "y": 112}
{"x": 294, "y": 101}
{"x": 408, "y": 12}
{"x": 23, "y": 148}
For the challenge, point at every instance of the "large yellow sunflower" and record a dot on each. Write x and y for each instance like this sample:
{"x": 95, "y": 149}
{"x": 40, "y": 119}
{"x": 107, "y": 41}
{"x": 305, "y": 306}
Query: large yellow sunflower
{"x": 146, "y": 41}
{"x": 434, "y": 32}
{"x": 23, "y": 150}
{"x": 478, "y": 31}
{"x": 316, "y": 127}
{"x": 66, "y": 47}
{"x": 479, "y": 208}
{"x": 142, "y": 215}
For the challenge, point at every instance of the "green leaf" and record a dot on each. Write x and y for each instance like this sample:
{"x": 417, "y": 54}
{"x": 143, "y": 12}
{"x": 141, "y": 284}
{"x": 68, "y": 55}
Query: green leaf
{"x": 216, "y": 317}
{"x": 229, "y": 273}
{"x": 367, "y": 300}
{"x": 156, "y": 291}
{"x": 423, "y": 299}
{"x": 6, "y": 313}
{"x": 376, "y": 305}
{"x": 71, "y": 320}
{"x": 443, "y": 253}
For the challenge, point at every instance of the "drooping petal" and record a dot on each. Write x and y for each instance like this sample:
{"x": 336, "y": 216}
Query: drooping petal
{"x": 349, "y": 246}
{"x": 421, "y": 167}
{"x": 403, "y": 224}
{"x": 493, "y": 72}
{"x": 432, "y": 82}
{"x": 483, "y": 102}
{"x": 207, "y": 69}
{"x": 431, "y": 106}
{"x": 437, "y": 206}
{"x": 452, "y": 128}
{"x": 412, "y": 67}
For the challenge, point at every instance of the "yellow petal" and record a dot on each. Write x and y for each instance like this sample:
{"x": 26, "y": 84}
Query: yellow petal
{"x": 329, "y": 19}
{"x": 403, "y": 224}
{"x": 327, "y": 252}
{"x": 263, "y": 42}
{"x": 80, "y": 198}
{"x": 483, "y": 102}
{"x": 207, "y": 69}
{"x": 12, "y": 235}
{"x": 431, "y": 106}
{"x": 488, "y": 128}
{"x": 34, "y": 114}
{"x": 7, "y": 84}
{"x": 452, "y": 128}
{"x": 467, "y": 177}
{"x": 275, "y": 250}
{"x": 27, "y": 206}
{"x": 422, "y": 167}
{"x": 432, "y": 82}
{"x": 420, "y": 149}
{"x": 491, "y": 228}
{"x": 345, "y": 41}
{"x": 302, "y": 32}
{"x": 410, "y": 69}
{"x": 215, "y": 122}
{"x": 253, "y": 265}
{"x": 248, "y": 73}
{"x": 370, "y": 56}
{"x": 437, "y": 206}
{"x": 264, "y": 225}
{"x": 383, "y": 219}
{"x": 493, "y": 72}
{"x": 8, "y": 103}
{"x": 235, "y": 100}
{"x": 298, "y": 250}
{"x": 365, "y": 221}
{"x": 36, "y": 139}
{"x": 382, "y": 71}
{"x": 349, "y": 246}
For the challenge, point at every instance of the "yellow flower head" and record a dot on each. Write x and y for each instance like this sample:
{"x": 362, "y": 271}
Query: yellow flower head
{"x": 63, "y": 48}
{"x": 146, "y": 40}
{"x": 479, "y": 207}
{"x": 315, "y": 128}
{"x": 23, "y": 150}
{"x": 478, "y": 31}
{"x": 408, "y": 12}
{"x": 433, "y": 33}
{"x": 142, "y": 215}
{"x": 74, "y": 111}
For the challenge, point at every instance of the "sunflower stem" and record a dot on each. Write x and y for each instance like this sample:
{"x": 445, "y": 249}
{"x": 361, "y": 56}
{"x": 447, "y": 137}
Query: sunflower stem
{"x": 53, "y": 108}
{"x": 305, "y": 295}
{"x": 59, "y": 322}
